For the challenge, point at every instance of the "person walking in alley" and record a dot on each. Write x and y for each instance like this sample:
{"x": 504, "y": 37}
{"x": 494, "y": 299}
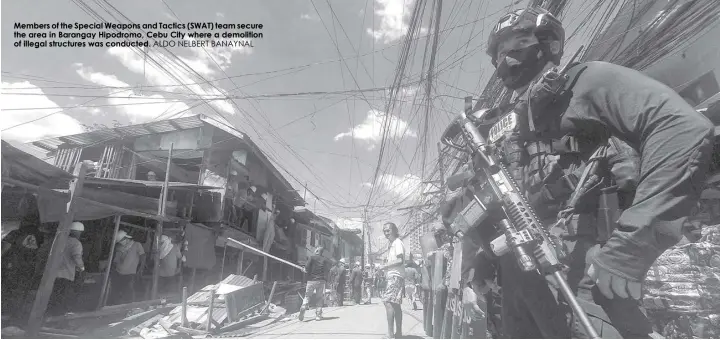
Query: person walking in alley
{"x": 412, "y": 281}
{"x": 71, "y": 262}
{"x": 395, "y": 274}
{"x": 340, "y": 281}
{"x": 128, "y": 262}
{"x": 170, "y": 264}
{"x": 356, "y": 282}
{"x": 316, "y": 272}
{"x": 367, "y": 283}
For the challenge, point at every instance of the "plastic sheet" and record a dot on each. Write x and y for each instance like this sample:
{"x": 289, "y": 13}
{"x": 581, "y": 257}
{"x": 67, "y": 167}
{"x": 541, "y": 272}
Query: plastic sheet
{"x": 682, "y": 289}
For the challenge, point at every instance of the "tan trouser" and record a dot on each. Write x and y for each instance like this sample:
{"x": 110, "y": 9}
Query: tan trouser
{"x": 315, "y": 290}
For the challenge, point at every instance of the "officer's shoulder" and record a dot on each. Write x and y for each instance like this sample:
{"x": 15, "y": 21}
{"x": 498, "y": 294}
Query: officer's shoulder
{"x": 592, "y": 75}
{"x": 601, "y": 71}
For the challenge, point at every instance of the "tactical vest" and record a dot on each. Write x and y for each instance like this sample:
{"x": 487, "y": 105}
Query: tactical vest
{"x": 549, "y": 170}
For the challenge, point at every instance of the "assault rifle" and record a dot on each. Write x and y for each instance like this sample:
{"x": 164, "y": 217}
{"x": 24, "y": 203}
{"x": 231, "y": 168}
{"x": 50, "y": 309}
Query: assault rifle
{"x": 522, "y": 232}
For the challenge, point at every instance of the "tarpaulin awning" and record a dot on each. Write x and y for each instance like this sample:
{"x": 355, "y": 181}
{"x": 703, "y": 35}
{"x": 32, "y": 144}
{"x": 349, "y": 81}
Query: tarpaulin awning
{"x": 27, "y": 168}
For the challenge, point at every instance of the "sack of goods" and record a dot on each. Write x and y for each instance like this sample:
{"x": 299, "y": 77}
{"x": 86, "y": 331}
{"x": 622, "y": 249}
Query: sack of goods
{"x": 682, "y": 289}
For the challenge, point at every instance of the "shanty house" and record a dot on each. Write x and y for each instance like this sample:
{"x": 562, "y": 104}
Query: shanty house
{"x": 220, "y": 184}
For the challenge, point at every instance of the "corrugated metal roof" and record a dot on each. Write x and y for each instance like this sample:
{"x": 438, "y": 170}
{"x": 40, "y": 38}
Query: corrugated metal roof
{"x": 197, "y": 315}
{"x": 238, "y": 280}
{"x": 203, "y": 296}
{"x": 199, "y": 302}
{"x": 131, "y": 131}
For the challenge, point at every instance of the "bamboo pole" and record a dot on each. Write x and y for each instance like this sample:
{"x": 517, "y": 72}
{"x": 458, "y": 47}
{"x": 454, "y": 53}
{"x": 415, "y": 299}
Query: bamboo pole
{"x": 159, "y": 227}
{"x": 106, "y": 277}
{"x": 258, "y": 251}
{"x": 56, "y": 251}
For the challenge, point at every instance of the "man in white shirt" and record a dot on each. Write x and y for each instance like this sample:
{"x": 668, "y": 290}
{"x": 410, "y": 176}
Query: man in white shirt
{"x": 129, "y": 260}
{"x": 395, "y": 274}
{"x": 61, "y": 298}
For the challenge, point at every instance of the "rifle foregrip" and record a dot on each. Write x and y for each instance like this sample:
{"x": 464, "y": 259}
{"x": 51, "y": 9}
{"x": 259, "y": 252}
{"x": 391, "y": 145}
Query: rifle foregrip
{"x": 525, "y": 261}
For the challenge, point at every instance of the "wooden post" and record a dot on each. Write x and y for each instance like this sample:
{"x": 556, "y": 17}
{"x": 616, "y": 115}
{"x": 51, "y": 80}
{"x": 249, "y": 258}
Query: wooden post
{"x": 183, "y": 317}
{"x": 265, "y": 269}
{"x": 210, "y": 310}
{"x": 106, "y": 277}
{"x": 56, "y": 251}
{"x": 192, "y": 280}
{"x": 240, "y": 263}
{"x": 222, "y": 265}
{"x": 159, "y": 226}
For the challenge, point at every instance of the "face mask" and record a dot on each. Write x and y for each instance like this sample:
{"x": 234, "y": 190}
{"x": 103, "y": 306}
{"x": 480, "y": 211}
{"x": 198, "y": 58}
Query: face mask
{"x": 531, "y": 61}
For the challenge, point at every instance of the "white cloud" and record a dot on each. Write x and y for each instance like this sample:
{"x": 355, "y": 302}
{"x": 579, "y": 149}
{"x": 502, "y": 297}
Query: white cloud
{"x": 309, "y": 17}
{"x": 404, "y": 186}
{"x": 394, "y": 20}
{"x": 123, "y": 100}
{"x": 371, "y": 129}
{"x": 156, "y": 76}
{"x": 349, "y": 223}
{"x": 58, "y": 124}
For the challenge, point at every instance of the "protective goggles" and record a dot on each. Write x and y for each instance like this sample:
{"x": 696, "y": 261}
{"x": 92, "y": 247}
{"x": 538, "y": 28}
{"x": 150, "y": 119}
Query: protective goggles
{"x": 512, "y": 19}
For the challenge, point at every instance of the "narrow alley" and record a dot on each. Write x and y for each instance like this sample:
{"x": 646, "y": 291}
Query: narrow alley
{"x": 348, "y": 322}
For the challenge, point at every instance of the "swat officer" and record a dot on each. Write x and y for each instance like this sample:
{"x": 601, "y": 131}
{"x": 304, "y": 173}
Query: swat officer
{"x": 603, "y": 103}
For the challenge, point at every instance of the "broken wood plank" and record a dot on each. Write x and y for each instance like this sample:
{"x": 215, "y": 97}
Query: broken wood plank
{"x": 269, "y": 300}
{"x": 243, "y": 323}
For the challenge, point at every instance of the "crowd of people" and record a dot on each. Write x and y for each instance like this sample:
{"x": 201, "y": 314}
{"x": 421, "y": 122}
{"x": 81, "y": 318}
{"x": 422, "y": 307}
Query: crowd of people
{"x": 394, "y": 281}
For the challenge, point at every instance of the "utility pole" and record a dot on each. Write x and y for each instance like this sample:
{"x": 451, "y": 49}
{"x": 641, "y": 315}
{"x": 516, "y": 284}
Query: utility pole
{"x": 365, "y": 250}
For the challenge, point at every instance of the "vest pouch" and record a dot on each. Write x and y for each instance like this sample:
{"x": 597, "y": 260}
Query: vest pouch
{"x": 608, "y": 213}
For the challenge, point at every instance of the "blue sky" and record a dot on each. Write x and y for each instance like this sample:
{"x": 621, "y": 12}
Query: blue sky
{"x": 330, "y": 142}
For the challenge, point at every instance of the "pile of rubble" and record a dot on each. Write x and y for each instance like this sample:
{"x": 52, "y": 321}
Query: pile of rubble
{"x": 215, "y": 310}
{"x": 234, "y": 306}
